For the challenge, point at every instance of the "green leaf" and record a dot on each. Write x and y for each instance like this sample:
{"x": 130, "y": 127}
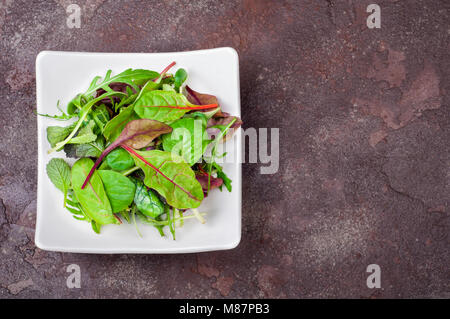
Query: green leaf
{"x": 162, "y": 106}
{"x": 59, "y": 173}
{"x": 56, "y": 134}
{"x": 219, "y": 137}
{"x": 119, "y": 160}
{"x": 93, "y": 149}
{"x": 85, "y": 135}
{"x": 136, "y": 134}
{"x": 115, "y": 126}
{"x": 188, "y": 139}
{"x": 92, "y": 198}
{"x": 101, "y": 116}
{"x": 170, "y": 176}
{"x": 95, "y": 226}
{"x": 119, "y": 189}
{"x": 132, "y": 77}
{"x": 180, "y": 78}
{"x": 82, "y": 117}
{"x": 147, "y": 201}
{"x": 220, "y": 174}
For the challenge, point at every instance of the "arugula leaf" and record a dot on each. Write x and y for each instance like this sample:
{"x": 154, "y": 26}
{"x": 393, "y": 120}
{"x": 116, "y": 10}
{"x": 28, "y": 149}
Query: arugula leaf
{"x": 165, "y": 106}
{"x": 58, "y": 172}
{"x": 220, "y": 174}
{"x": 214, "y": 149}
{"x": 85, "y": 135}
{"x": 131, "y": 77}
{"x": 82, "y": 116}
{"x": 101, "y": 116}
{"x": 170, "y": 176}
{"x": 62, "y": 117}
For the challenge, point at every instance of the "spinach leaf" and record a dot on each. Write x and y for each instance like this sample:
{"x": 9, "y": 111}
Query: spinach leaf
{"x": 59, "y": 173}
{"x": 93, "y": 198}
{"x": 119, "y": 160}
{"x": 119, "y": 189}
{"x": 170, "y": 176}
{"x": 136, "y": 134}
{"x": 188, "y": 139}
{"x": 180, "y": 78}
{"x": 147, "y": 201}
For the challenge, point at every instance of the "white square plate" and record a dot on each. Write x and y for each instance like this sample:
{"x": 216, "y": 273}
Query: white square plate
{"x": 62, "y": 75}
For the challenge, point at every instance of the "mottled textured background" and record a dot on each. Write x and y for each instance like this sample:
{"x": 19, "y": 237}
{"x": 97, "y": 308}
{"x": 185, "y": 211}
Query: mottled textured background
{"x": 364, "y": 144}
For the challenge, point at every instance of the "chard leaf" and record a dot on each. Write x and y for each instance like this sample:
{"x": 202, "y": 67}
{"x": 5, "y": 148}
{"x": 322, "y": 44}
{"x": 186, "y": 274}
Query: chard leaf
{"x": 215, "y": 182}
{"x": 217, "y": 124}
{"x": 163, "y": 106}
{"x": 114, "y": 127}
{"x": 170, "y": 176}
{"x": 58, "y": 172}
{"x": 93, "y": 199}
{"x": 136, "y": 134}
{"x": 201, "y": 98}
{"x": 119, "y": 189}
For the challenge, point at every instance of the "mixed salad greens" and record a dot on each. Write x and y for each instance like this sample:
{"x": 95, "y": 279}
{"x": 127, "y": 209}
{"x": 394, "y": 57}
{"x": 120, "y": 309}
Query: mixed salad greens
{"x": 141, "y": 142}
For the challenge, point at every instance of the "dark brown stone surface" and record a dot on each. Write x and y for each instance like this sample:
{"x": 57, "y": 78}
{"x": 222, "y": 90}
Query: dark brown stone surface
{"x": 364, "y": 147}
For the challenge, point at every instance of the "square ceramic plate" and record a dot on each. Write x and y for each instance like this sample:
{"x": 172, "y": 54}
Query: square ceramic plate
{"x": 62, "y": 75}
